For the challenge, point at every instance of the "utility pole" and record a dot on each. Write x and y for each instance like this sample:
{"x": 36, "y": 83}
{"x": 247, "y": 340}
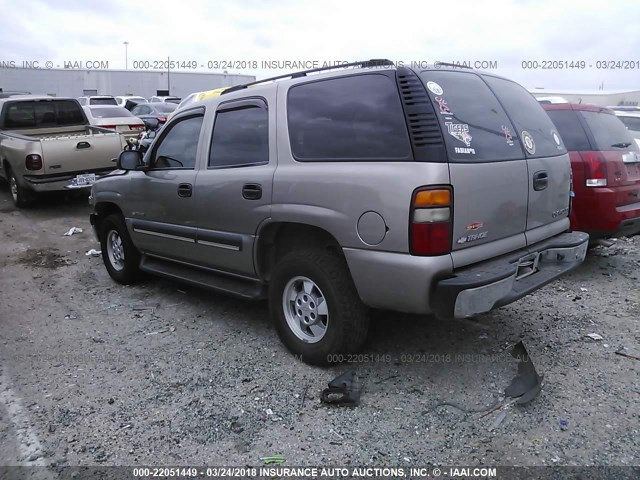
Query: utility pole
{"x": 126, "y": 55}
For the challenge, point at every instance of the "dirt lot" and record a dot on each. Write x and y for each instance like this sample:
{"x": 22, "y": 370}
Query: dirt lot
{"x": 93, "y": 373}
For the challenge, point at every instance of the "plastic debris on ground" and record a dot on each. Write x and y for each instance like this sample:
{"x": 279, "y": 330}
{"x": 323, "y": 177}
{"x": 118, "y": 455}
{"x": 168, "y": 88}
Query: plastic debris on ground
{"x": 527, "y": 383}
{"x": 595, "y": 336}
{"x": 73, "y": 230}
{"x": 343, "y": 390}
{"x": 93, "y": 253}
{"x": 273, "y": 459}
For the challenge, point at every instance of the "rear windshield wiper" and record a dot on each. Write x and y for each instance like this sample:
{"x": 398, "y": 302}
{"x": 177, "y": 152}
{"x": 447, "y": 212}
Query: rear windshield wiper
{"x": 621, "y": 145}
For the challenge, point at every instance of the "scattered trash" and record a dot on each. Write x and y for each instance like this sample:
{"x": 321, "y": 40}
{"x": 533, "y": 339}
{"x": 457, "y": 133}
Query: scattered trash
{"x": 164, "y": 330}
{"x": 268, "y": 411}
{"x": 625, "y": 352}
{"x": 496, "y": 423}
{"x": 527, "y": 383}
{"x": 582, "y": 289}
{"x": 93, "y": 253}
{"x": 278, "y": 458}
{"x": 564, "y": 424}
{"x": 73, "y": 230}
{"x": 595, "y": 336}
{"x": 342, "y": 390}
{"x": 70, "y": 317}
{"x": 304, "y": 395}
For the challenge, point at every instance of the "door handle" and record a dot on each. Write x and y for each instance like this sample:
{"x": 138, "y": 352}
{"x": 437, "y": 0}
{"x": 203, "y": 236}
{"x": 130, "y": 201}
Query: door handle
{"x": 81, "y": 145}
{"x": 252, "y": 191}
{"x": 185, "y": 190}
{"x": 540, "y": 180}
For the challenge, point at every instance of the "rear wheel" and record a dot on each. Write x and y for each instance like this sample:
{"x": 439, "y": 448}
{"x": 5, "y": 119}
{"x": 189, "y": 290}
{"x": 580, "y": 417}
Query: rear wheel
{"x": 120, "y": 256}
{"x": 315, "y": 306}
{"x": 20, "y": 195}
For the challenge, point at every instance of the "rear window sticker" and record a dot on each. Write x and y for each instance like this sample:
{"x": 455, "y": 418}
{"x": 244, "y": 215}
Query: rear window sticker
{"x": 528, "y": 142}
{"x": 556, "y": 138}
{"x": 442, "y": 103}
{"x": 459, "y": 131}
{"x": 435, "y": 88}
{"x": 507, "y": 135}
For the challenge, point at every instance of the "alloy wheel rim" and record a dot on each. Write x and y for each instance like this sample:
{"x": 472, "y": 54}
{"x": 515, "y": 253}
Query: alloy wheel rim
{"x": 305, "y": 309}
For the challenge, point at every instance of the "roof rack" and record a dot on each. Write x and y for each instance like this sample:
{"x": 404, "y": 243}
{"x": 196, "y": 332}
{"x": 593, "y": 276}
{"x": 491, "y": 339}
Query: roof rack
{"x": 454, "y": 65}
{"x": 375, "y": 62}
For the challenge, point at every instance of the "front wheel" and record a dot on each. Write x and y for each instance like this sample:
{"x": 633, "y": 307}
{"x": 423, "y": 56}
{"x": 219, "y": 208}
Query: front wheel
{"x": 119, "y": 255}
{"x": 315, "y": 306}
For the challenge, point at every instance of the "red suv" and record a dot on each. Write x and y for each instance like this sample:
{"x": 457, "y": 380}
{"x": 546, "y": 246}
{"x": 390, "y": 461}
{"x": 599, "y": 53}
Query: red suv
{"x": 605, "y": 161}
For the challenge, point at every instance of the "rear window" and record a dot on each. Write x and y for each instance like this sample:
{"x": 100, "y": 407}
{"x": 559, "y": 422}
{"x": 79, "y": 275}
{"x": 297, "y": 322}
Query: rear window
{"x": 348, "y": 119}
{"x": 608, "y": 131}
{"x": 570, "y": 129}
{"x": 102, "y": 101}
{"x": 46, "y": 113}
{"x": 632, "y": 123}
{"x": 164, "y": 107}
{"x": 535, "y": 129}
{"x": 474, "y": 124}
{"x": 110, "y": 112}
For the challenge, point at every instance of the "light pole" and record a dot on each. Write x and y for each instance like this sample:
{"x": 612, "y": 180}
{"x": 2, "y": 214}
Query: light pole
{"x": 126, "y": 55}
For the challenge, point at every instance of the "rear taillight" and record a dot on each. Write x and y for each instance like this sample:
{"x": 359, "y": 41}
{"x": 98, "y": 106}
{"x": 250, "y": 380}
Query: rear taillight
{"x": 110, "y": 127}
{"x": 136, "y": 127}
{"x": 595, "y": 169}
{"x": 33, "y": 162}
{"x": 430, "y": 222}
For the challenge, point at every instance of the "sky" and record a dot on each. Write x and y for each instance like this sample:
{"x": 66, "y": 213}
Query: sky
{"x": 516, "y": 35}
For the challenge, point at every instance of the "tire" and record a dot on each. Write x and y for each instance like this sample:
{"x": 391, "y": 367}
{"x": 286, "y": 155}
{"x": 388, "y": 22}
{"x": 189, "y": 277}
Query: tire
{"x": 120, "y": 256}
{"x": 302, "y": 282}
{"x": 21, "y": 196}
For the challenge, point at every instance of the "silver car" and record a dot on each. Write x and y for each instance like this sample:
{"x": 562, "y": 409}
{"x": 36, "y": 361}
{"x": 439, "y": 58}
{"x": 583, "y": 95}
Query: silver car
{"x": 330, "y": 192}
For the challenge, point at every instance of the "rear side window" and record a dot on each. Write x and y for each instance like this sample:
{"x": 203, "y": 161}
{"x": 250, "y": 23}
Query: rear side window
{"x": 570, "y": 129}
{"x": 535, "y": 129}
{"x": 608, "y": 131}
{"x": 355, "y": 118}
{"x": 632, "y": 123}
{"x": 102, "y": 101}
{"x": 474, "y": 124}
{"x": 43, "y": 114}
{"x": 240, "y": 138}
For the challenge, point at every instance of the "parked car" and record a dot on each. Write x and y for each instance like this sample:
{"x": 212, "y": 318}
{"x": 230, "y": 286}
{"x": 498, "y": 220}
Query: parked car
{"x": 631, "y": 120}
{"x": 158, "y": 111}
{"x": 165, "y": 99}
{"x": 115, "y": 118}
{"x": 551, "y": 100}
{"x": 7, "y": 94}
{"x": 625, "y": 108}
{"x": 196, "y": 97}
{"x": 122, "y": 100}
{"x": 605, "y": 162}
{"x": 47, "y": 144}
{"x": 331, "y": 192}
{"x": 97, "y": 100}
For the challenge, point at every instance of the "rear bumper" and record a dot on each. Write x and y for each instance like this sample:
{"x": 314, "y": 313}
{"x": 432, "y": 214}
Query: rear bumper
{"x": 55, "y": 183}
{"x": 492, "y": 284}
{"x": 597, "y": 211}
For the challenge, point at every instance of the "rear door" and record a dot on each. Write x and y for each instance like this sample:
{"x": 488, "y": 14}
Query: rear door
{"x": 487, "y": 165}
{"x": 548, "y": 166}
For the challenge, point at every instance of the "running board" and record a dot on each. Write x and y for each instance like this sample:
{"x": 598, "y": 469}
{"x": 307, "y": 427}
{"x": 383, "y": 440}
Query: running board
{"x": 206, "y": 279}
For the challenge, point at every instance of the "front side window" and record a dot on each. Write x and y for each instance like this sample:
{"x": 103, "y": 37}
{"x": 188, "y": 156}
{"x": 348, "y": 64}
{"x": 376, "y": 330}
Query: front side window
{"x": 355, "y": 118}
{"x": 179, "y": 145}
{"x": 240, "y": 137}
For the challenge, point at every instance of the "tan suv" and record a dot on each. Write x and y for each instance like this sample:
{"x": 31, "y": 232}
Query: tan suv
{"x": 328, "y": 192}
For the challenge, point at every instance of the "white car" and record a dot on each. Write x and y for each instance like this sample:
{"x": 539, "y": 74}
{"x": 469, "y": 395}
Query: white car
{"x": 97, "y": 100}
{"x": 115, "y": 118}
{"x": 164, "y": 99}
{"x": 631, "y": 120}
{"x": 122, "y": 99}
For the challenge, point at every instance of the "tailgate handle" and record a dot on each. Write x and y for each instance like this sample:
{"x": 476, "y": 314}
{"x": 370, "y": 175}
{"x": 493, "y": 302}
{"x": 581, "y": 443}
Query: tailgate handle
{"x": 540, "y": 181}
{"x": 81, "y": 145}
{"x": 185, "y": 190}
{"x": 252, "y": 191}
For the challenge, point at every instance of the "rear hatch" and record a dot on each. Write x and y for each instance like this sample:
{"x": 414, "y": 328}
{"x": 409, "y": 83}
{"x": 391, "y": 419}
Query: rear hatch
{"x": 505, "y": 194}
{"x": 615, "y": 161}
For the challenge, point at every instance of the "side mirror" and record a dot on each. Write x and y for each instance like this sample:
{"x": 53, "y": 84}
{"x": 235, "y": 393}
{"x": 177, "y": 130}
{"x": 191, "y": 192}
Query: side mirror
{"x": 151, "y": 123}
{"x": 130, "y": 160}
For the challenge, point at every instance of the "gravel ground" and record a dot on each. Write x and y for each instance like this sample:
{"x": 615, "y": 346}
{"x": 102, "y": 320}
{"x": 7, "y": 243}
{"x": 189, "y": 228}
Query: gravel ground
{"x": 94, "y": 373}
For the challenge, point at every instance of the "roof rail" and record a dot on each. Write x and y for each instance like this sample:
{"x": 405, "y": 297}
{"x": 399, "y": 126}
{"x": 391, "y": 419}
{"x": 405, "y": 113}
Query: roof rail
{"x": 454, "y": 65}
{"x": 375, "y": 62}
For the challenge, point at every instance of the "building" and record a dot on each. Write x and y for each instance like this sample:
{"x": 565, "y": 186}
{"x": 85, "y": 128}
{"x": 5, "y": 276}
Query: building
{"x": 76, "y": 83}
{"x": 604, "y": 98}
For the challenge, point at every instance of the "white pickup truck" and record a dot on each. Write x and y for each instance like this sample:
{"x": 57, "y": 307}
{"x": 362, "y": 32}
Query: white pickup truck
{"x": 47, "y": 144}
